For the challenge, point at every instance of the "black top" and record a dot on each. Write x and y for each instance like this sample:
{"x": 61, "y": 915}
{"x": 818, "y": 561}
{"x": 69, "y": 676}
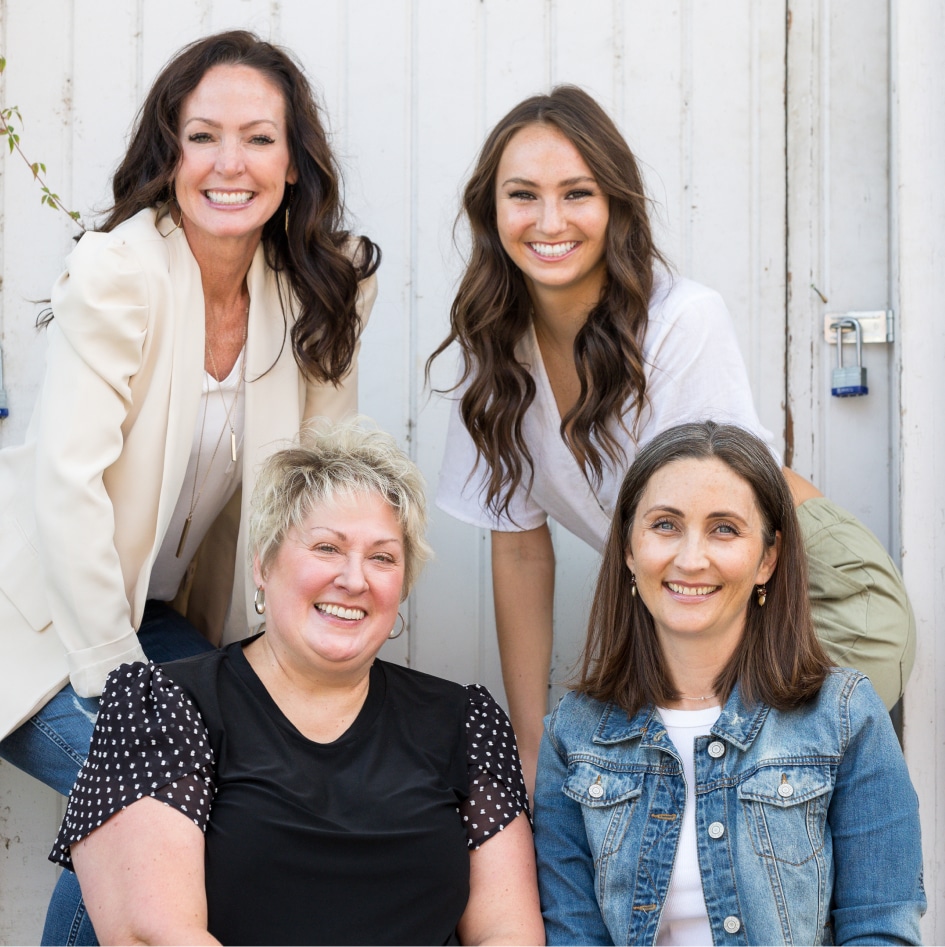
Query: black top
{"x": 363, "y": 840}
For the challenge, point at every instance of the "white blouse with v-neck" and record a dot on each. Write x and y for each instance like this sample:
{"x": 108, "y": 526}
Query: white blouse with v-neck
{"x": 694, "y": 372}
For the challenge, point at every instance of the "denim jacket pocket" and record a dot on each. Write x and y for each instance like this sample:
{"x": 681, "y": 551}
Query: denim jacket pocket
{"x": 785, "y": 807}
{"x": 606, "y": 798}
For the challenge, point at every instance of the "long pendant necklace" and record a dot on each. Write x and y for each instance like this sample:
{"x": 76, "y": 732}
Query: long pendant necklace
{"x": 195, "y": 494}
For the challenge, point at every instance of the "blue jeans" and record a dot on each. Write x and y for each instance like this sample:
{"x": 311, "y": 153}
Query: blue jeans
{"x": 54, "y": 743}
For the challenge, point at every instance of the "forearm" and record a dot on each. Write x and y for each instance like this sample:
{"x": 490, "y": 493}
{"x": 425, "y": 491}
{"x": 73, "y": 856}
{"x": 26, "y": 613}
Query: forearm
{"x": 523, "y": 575}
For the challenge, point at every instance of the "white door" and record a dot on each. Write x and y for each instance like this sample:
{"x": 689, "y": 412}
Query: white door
{"x": 839, "y": 252}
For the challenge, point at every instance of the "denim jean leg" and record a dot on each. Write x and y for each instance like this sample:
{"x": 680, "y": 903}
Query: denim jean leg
{"x": 53, "y": 744}
{"x": 165, "y": 634}
{"x": 67, "y": 920}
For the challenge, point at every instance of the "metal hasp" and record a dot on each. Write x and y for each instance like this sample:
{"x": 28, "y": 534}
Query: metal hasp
{"x": 849, "y": 381}
{"x": 877, "y": 325}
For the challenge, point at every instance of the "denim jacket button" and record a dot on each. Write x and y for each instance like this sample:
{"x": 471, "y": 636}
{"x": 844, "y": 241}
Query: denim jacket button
{"x": 785, "y": 790}
{"x": 716, "y": 749}
{"x": 717, "y": 830}
{"x": 732, "y": 924}
{"x": 595, "y": 790}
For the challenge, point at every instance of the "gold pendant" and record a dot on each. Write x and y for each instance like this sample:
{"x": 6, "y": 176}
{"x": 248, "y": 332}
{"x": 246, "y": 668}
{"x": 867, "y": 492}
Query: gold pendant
{"x": 183, "y": 536}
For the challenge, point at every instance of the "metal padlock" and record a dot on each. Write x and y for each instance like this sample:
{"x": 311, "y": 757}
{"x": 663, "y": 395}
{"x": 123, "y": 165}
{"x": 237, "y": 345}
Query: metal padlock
{"x": 849, "y": 380}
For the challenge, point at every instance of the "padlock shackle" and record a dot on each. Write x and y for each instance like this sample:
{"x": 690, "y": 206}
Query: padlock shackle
{"x": 849, "y": 323}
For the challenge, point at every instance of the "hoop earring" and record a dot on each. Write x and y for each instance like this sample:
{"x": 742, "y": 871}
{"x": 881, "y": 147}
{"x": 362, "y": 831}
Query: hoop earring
{"x": 259, "y": 600}
{"x": 403, "y": 625}
{"x": 633, "y": 586}
{"x": 762, "y": 592}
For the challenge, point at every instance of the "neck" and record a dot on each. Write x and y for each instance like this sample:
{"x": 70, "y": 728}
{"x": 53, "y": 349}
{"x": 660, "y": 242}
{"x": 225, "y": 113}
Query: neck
{"x": 223, "y": 265}
{"x": 321, "y": 706}
{"x": 563, "y": 312}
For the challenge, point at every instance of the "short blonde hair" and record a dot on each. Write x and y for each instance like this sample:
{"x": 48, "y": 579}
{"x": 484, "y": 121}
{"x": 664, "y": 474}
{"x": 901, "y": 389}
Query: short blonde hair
{"x": 331, "y": 460}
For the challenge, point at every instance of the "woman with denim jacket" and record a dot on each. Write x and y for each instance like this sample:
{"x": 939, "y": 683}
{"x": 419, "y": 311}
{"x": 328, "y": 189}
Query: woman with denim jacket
{"x": 711, "y": 778}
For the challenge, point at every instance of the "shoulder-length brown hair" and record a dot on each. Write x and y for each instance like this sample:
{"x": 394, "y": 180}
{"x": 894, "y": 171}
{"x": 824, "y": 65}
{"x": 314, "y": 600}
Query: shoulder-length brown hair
{"x": 491, "y": 310}
{"x": 313, "y": 252}
{"x": 779, "y": 660}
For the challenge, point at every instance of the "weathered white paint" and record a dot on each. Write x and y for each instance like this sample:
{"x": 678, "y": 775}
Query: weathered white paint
{"x": 918, "y": 146}
{"x": 411, "y": 87}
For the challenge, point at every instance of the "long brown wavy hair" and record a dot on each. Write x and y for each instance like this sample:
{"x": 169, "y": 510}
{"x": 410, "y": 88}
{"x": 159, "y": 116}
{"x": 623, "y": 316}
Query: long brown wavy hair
{"x": 492, "y": 308}
{"x": 779, "y": 660}
{"x": 314, "y": 255}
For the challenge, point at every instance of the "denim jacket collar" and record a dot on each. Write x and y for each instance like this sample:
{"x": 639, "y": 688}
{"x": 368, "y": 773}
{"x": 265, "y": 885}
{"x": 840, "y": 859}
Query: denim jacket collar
{"x": 738, "y": 724}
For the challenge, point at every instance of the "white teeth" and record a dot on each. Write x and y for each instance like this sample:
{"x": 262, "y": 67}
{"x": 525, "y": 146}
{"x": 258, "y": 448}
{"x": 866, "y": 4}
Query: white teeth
{"x": 229, "y": 197}
{"x": 691, "y": 590}
{"x": 351, "y": 614}
{"x": 553, "y": 249}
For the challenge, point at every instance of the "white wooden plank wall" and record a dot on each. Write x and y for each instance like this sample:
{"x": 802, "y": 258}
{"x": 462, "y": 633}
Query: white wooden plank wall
{"x": 411, "y": 87}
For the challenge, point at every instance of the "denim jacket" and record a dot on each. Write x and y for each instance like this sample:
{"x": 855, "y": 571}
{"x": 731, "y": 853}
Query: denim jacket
{"x": 807, "y": 824}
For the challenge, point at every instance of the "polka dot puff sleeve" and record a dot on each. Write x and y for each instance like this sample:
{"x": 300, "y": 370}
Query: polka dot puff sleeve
{"x": 496, "y": 786}
{"x": 149, "y": 740}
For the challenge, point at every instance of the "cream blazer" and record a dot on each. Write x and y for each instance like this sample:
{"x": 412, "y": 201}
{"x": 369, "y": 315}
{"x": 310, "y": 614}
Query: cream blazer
{"x": 86, "y": 500}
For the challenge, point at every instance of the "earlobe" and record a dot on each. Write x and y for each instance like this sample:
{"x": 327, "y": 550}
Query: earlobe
{"x": 770, "y": 560}
{"x": 628, "y": 557}
{"x": 257, "y": 571}
{"x": 291, "y": 176}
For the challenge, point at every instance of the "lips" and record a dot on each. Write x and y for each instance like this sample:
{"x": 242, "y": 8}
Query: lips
{"x": 338, "y": 611}
{"x": 229, "y": 197}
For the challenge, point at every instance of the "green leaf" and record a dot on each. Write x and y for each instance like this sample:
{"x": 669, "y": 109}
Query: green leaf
{"x": 3, "y": 64}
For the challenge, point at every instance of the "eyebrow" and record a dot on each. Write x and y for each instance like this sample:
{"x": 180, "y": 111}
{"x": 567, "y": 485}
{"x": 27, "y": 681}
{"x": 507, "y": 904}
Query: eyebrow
{"x": 243, "y": 127}
{"x": 344, "y": 536}
{"x": 568, "y": 182}
{"x": 717, "y": 515}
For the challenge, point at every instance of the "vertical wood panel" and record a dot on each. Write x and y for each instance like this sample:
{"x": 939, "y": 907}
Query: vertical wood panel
{"x": 452, "y": 620}
{"x": 35, "y": 240}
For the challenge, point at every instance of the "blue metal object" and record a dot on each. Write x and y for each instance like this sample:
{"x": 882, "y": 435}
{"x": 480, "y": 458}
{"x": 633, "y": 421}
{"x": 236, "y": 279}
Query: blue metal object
{"x": 849, "y": 381}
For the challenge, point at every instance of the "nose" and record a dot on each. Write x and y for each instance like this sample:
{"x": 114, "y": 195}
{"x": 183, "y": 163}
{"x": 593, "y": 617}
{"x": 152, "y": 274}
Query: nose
{"x": 230, "y": 158}
{"x": 552, "y": 220}
{"x": 691, "y": 552}
{"x": 351, "y": 577}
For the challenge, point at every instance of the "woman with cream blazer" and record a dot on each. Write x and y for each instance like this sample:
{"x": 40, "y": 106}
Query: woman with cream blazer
{"x": 107, "y": 450}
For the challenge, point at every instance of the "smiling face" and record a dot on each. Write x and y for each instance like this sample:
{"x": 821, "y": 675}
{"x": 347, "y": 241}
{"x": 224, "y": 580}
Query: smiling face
{"x": 552, "y": 215}
{"x": 235, "y": 161}
{"x": 697, "y": 549}
{"x": 334, "y": 586}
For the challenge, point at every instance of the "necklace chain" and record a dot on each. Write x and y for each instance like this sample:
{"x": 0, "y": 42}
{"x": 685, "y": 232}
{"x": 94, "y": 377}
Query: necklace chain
{"x": 687, "y": 697}
{"x": 195, "y": 493}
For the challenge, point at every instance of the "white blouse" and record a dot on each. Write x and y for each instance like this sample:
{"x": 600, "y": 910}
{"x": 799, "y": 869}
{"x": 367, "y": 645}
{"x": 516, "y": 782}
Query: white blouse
{"x": 694, "y": 372}
{"x": 211, "y": 479}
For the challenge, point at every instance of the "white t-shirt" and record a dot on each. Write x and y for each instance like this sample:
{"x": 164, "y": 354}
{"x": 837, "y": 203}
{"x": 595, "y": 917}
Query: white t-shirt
{"x": 694, "y": 372}
{"x": 685, "y": 920}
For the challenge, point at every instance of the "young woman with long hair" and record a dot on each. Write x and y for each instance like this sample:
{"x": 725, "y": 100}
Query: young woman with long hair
{"x": 578, "y": 345}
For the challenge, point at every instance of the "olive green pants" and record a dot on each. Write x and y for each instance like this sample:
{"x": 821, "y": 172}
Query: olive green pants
{"x": 859, "y": 603}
